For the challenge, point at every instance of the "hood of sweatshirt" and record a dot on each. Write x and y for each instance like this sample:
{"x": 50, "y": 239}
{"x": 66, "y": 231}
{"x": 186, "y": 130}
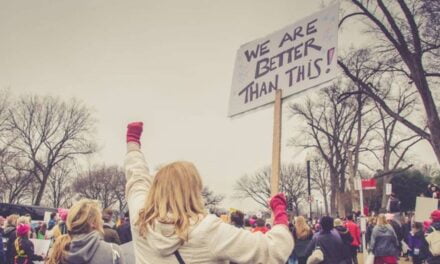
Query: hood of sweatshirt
{"x": 341, "y": 229}
{"x": 83, "y": 247}
{"x": 9, "y": 229}
{"x": 384, "y": 229}
{"x": 163, "y": 237}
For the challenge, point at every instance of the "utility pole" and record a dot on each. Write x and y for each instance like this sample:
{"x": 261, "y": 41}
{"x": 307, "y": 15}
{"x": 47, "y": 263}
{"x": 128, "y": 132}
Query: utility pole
{"x": 309, "y": 189}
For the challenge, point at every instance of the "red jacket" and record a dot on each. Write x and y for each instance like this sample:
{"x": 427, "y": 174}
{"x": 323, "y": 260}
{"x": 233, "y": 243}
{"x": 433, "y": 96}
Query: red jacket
{"x": 355, "y": 232}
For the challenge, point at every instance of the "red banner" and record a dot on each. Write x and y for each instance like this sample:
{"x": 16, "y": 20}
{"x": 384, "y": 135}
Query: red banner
{"x": 368, "y": 184}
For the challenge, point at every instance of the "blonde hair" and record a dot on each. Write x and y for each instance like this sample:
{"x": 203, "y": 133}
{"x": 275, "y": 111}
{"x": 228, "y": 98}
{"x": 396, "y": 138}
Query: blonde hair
{"x": 337, "y": 222}
{"x": 23, "y": 220}
{"x": 381, "y": 220}
{"x": 83, "y": 218}
{"x": 302, "y": 229}
{"x": 12, "y": 220}
{"x": 175, "y": 198}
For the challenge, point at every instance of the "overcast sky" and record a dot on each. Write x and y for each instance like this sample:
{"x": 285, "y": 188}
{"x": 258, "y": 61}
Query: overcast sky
{"x": 166, "y": 63}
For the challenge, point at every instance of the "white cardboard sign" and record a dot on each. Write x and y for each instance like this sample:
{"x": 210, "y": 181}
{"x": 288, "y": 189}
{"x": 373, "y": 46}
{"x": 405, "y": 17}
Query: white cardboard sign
{"x": 424, "y": 208}
{"x": 295, "y": 58}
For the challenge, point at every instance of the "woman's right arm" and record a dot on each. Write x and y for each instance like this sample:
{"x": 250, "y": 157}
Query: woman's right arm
{"x": 137, "y": 173}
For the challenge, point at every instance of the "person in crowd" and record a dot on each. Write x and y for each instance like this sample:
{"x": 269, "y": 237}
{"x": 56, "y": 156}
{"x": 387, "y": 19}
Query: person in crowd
{"x": 2, "y": 224}
{"x": 406, "y": 230}
{"x": 172, "y": 224}
{"x": 347, "y": 240}
{"x": 393, "y": 205}
{"x": 110, "y": 234}
{"x": 83, "y": 242}
{"x": 370, "y": 225}
{"x": 60, "y": 228}
{"x": 237, "y": 218}
{"x": 384, "y": 244}
{"x": 260, "y": 226}
{"x": 328, "y": 241}
{"x": 124, "y": 231}
{"x": 268, "y": 226}
{"x": 395, "y": 222}
{"x": 41, "y": 233}
{"x": 52, "y": 221}
{"x": 10, "y": 234}
{"x": 355, "y": 233}
{"x": 302, "y": 235}
{"x": 433, "y": 237}
{"x": 417, "y": 244}
{"x": 2, "y": 250}
{"x": 24, "y": 248}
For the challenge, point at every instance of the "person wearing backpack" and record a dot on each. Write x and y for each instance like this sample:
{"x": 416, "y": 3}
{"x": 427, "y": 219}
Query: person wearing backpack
{"x": 170, "y": 223}
{"x": 433, "y": 238}
{"x": 84, "y": 242}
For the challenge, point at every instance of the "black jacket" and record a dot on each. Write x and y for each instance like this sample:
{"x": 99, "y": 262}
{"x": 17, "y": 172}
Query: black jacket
{"x": 124, "y": 232}
{"x": 331, "y": 245}
{"x": 346, "y": 240}
{"x": 26, "y": 252}
{"x": 10, "y": 234}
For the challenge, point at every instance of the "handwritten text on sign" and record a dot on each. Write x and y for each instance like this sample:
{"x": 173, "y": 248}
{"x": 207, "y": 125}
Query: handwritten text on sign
{"x": 298, "y": 57}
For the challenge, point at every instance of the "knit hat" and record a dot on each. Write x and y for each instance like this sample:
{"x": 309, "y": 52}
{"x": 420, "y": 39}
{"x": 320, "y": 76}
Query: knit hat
{"x": 23, "y": 229}
{"x": 63, "y": 213}
{"x": 435, "y": 216}
{"x": 337, "y": 222}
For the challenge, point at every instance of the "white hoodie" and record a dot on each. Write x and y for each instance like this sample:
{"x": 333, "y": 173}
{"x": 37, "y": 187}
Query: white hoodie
{"x": 210, "y": 241}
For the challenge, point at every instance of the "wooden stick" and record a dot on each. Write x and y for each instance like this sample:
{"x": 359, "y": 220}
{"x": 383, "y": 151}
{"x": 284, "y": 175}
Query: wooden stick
{"x": 276, "y": 146}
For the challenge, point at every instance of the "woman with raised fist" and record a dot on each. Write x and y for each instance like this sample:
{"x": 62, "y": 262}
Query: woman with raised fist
{"x": 170, "y": 223}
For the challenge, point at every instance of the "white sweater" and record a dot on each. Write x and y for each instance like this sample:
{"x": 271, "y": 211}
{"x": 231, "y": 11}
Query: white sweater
{"x": 210, "y": 241}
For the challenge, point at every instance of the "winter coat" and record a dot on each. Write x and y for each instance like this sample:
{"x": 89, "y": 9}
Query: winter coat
{"x": 331, "y": 246}
{"x": 124, "y": 233}
{"x": 210, "y": 240}
{"x": 10, "y": 234}
{"x": 384, "y": 241}
{"x": 24, "y": 249}
{"x": 2, "y": 251}
{"x": 433, "y": 259}
{"x": 301, "y": 244}
{"x": 355, "y": 232}
{"x": 92, "y": 249}
{"x": 368, "y": 234}
{"x": 110, "y": 235}
{"x": 418, "y": 245}
{"x": 347, "y": 240}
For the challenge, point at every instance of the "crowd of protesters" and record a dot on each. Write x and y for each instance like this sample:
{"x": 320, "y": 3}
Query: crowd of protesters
{"x": 170, "y": 225}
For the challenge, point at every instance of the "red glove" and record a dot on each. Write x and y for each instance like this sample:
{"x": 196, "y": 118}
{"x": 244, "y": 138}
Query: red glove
{"x": 278, "y": 205}
{"x": 134, "y": 132}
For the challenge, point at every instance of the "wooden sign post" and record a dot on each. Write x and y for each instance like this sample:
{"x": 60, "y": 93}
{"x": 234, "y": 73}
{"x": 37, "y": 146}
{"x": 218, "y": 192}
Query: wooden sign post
{"x": 276, "y": 145}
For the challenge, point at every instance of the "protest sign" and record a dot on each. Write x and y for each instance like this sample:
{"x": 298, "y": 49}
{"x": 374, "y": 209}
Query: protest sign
{"x": 295, "y": 58}
{"x": 41, "y": 247}
{"x": 424, "y": 208}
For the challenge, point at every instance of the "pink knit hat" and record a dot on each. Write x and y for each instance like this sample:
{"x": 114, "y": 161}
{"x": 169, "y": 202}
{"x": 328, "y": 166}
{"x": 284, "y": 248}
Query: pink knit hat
{"x": 23, "y": 229}
{"x": 435, "y": 216}
{"x": 63, "y": 213}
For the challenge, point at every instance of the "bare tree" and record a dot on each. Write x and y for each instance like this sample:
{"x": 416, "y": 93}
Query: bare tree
{"x": 407, "y": 45}
{"x": 320, "y": 179}
{"x": 257, "y": 186}
{"x": 102, "y": 183}
{"x": 47, "y": 131}
{"x": 14, "y": 179}
{"x": 211, "y": 199}
{"x": 338, "y": 131}
{"x": 60, "y": 180}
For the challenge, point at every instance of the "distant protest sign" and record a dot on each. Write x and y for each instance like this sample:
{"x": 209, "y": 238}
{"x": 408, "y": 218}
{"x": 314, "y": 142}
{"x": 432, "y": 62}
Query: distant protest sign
{"x": 424, "y": 208}
{"x": 295, "y": 58}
